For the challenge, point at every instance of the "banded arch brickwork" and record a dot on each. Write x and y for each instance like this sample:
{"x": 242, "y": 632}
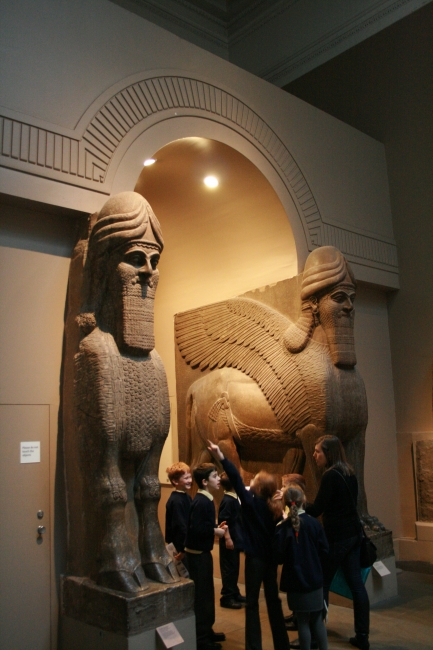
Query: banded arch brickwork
{"x": 84, "y": 161}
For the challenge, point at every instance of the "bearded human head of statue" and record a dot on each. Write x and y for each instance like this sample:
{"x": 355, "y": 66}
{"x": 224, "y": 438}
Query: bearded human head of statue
{"x": 327, "y": 294}
{"x": 120, "y": 274}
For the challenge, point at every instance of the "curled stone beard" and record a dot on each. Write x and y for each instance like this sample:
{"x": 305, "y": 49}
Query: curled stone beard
{"x": 340, "y": 337}
{"x": 136, "y": 331}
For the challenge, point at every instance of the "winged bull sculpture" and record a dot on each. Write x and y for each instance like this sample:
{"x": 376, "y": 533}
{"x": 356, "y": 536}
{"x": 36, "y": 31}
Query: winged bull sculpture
{"x": 275, "y": 385}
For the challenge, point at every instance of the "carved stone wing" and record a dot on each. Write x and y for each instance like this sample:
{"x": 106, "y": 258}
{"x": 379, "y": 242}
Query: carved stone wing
{"x": 99, "y": 394}
{"x": 245, "y": 334}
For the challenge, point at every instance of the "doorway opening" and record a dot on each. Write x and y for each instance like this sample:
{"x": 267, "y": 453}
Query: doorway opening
{"x": 219, "y": 242}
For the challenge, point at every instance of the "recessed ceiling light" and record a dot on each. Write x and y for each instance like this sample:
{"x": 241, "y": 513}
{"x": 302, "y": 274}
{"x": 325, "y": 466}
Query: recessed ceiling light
{"x": 149, "y": 161}
{"x": 211, "y": 181}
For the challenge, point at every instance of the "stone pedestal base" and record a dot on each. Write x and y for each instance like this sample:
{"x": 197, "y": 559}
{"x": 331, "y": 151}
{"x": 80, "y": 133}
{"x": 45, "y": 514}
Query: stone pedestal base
{"x": 96, "y": 618}
{"x": 378, "y": 588}
{"x": 74, "y": 634}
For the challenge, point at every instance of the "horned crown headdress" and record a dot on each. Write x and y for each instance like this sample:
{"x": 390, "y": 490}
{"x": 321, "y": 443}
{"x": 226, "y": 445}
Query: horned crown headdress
{"x": 124, "y": 218}
{"x": 325, "y": 268}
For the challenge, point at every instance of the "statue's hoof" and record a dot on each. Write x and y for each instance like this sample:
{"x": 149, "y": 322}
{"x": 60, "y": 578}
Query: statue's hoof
{"x": 132, "y": 583}
{"x": 159, "y": 572}
{"x": 140, "y": 577}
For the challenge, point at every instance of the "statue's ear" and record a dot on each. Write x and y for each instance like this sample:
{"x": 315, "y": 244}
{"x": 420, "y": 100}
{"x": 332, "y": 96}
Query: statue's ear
{"x": 298, "y": 334}
{"x": 314, "y": 304}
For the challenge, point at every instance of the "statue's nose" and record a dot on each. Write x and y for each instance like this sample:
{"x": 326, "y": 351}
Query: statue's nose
{"x": 146, "y": 269}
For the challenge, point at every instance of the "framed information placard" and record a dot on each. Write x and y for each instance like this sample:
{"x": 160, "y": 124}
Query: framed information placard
{"x": 169, "y": 635}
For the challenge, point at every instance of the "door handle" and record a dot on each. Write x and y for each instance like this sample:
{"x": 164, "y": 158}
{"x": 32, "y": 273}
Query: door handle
{"x": 41, "y": 530}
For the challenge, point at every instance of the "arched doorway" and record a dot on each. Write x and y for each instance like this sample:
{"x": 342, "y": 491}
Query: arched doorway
{"x": 219, "y": 242}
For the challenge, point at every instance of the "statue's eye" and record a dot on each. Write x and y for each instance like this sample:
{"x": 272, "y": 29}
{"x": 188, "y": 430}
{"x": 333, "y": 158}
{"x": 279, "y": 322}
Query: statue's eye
{"x": 341, "y": 297}
{"x": 135, "y": 258}
{"x": 154, "y": 261}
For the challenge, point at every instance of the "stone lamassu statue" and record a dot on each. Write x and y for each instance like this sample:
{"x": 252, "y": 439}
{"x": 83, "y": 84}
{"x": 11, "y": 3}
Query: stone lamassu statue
{"x": 121, "y": 408}
{"x": 275, "y": 385}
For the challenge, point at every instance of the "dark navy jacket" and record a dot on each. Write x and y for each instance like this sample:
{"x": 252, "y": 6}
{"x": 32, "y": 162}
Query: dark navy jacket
{"x": 230, "y": 512}
{"x": 301, "y": 557}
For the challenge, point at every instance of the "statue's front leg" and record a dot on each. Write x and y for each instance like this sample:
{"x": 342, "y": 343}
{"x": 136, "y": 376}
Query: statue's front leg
{"x": 119, "y": 567}
{"x": 155, "y": 559}
{"x": 308, "y": 436}
{"x": 355, "y": 452}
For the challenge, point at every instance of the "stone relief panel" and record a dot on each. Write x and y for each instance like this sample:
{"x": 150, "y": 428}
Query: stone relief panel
{"x": 115, "y": 403}
{"x": 423, "y": 457}
{"x": 265, "y": 374}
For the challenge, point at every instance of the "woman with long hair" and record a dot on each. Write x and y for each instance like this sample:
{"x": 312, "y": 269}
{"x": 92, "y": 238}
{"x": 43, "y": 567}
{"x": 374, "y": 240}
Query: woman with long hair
{"x": 260, "y": 514}
{"x": 336, "y": 501}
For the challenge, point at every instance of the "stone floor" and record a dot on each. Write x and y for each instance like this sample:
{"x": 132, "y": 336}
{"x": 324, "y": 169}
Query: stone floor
{"x": 401, "y": 623}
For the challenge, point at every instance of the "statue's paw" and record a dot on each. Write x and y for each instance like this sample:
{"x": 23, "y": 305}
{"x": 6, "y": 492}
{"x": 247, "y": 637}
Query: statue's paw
{"x": 132, "y": 583}
{"x": 371, "y": 523}
{"x": 165, "y": 573}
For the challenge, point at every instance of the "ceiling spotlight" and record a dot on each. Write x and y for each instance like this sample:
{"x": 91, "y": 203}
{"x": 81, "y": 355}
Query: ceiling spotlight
{"x": 211, "y": 181}
{"x": 149, "y": 161}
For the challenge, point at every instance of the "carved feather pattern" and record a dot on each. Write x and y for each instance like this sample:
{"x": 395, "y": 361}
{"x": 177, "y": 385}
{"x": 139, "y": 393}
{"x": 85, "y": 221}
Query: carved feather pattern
{"x": 245, "y": 334}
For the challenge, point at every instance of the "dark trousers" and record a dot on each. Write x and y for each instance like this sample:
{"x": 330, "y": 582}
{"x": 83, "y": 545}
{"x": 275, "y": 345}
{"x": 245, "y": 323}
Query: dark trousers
{"x": 229, "y": 566}
{"x": 346, "y": 554}
{"x": 256, "y": 572}
{"x": 200, "y": 569}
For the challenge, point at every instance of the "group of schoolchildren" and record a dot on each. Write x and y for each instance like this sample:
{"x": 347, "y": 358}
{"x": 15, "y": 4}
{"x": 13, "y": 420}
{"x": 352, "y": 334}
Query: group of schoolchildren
{"x": 253, "y": 520}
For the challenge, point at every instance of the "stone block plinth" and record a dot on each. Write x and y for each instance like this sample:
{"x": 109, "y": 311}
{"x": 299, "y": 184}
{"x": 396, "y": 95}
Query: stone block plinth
{"x": 105, "y": 619}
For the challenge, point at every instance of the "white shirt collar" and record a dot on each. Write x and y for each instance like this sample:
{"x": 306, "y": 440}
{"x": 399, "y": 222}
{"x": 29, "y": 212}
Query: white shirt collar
{"x": 206, "y": 493}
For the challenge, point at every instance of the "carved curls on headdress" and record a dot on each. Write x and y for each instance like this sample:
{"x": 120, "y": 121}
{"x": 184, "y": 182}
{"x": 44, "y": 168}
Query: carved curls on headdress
{"x": 325, "y": 268}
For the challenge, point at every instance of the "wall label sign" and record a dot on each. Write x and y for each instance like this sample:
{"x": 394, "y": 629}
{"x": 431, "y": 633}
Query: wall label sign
{"x": 381, "y": 569}
{"x": 30, "y": 452}
{"x": 169, "y": 635}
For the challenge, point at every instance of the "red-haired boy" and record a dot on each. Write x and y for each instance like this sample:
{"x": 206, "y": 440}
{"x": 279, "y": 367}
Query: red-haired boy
{"x": 178, "y": 507}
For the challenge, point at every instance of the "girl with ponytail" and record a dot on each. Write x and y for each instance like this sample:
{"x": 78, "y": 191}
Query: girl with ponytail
{"x": 300, "y": 545}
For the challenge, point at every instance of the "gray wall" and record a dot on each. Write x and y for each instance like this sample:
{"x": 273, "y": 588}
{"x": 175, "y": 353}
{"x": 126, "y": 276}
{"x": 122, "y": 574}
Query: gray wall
{"x": 384, "y": 88}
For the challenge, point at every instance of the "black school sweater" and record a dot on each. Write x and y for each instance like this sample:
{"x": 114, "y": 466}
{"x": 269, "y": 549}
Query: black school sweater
{"x": 176, "y": 519}
{"x": 258, "y": 520}
{"x": 230, "y": 512}
{"x": 201, "y": 524}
